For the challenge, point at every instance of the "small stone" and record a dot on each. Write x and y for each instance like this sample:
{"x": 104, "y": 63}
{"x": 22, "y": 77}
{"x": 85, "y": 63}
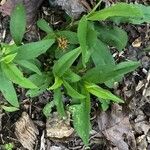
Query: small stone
{"x": 72, "y": 7}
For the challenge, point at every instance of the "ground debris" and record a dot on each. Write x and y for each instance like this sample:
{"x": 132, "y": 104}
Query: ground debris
{"x": 137, "y": 43}
{"x": 26, "y": 131}
{"x": 57, "y": 127}
{"x": 58, "y": 148}
{"x": 73, "y": 8}
{"x": 30, "y": 5}
{"x": 116, "y": 128}
{"x": 141, "y": 128}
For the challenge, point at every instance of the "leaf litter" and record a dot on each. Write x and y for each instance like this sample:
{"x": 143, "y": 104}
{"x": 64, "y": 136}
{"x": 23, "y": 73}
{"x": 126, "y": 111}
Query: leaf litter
{"x": 26, "y": 131}
{"x": 58, "y": 127}
{"x": 116, "y": 128}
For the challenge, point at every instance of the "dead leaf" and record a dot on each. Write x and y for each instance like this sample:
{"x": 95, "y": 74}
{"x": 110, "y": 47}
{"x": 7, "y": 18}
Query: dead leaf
{"x": 26, "y": 131}
{"x": 57, "y": 127}
{"x": 139, "y": 86}
{"x": 142, "y": 143}
{"x": 137, "y": 43}
{"x": 116, "y": 128}
{"x": 142, "y": 127}
{"x": 30, "y": 5}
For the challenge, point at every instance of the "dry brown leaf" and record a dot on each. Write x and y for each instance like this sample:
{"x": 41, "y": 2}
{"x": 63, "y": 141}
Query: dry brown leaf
{"x": 116, "y": 128}
{"x": 26, "y": 131}
{"x": 30, "y": 5}
{"x": 57, "y": 127}
{"x": 142, "y": 143}
{"x": 137, "y": 43}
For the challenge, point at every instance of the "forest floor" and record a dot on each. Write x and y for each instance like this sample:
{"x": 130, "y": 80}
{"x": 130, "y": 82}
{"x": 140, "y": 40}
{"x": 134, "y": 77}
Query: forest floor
{"x": 132, "y": 120}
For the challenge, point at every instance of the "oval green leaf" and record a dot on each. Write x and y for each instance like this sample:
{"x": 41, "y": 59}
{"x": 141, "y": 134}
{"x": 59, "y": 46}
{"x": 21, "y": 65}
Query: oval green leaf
{"x": 43, "y": 25}
{"x": 9, "y": 108}
{"x": 18, "y": 23}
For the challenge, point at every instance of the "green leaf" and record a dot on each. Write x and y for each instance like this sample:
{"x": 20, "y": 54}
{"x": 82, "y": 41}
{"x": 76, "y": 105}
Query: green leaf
{"x": 104, "y": 104}
{"x": 58, "y": 100}
{"x": 9, "y": 58}
{"x": 102, "y": 93}
{"x": 9, "y": 108}
{"x": 58, "y": 82}
{"x": 48, "y": 108}
{"x": 87, "y": 38}
{"x": 119, "y": 70}
{"x": 70, "y": 76}
{"x": 101, "y": 55}
{"x": 8, "y": 146}
{"x": 145, "y": 10}
{"x": 69, "y": 35}
{"x": 43, "y": 25}
{"x": 91, "y": 36}
{"x": 41, "y": 81}
{"x": 117, "y": 10}
{"x": 7, "y": 88}
{"x": 18, "y": 23}
{"x": 106, "y": 73}
{"x": 72, "y": 92}
{"x": 81, "y": 120}
{"x": 65, "y": 62}
{"x": 82, "y": 37}
{"x": 8, "y": 48}
{"x": 34, "y": 49}
{"x": 29, "y": 65}
{"x": 113, "y": 36}
{"x": 16, "y": 76}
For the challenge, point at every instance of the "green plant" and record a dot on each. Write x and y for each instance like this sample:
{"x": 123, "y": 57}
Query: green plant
{"x": 14, "y": 58}
{"x": 84, "y": 63}
{"x": 9, "y": 146}
{"x": 81, "y": 61}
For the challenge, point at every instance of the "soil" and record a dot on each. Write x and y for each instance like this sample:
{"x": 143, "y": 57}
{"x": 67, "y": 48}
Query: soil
{"x": 134, "y": 89}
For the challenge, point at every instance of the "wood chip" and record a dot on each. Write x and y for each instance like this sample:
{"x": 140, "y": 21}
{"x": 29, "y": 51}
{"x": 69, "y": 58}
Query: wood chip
{"x": 26, "y": 131}
{"x": 57, "y": 127}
